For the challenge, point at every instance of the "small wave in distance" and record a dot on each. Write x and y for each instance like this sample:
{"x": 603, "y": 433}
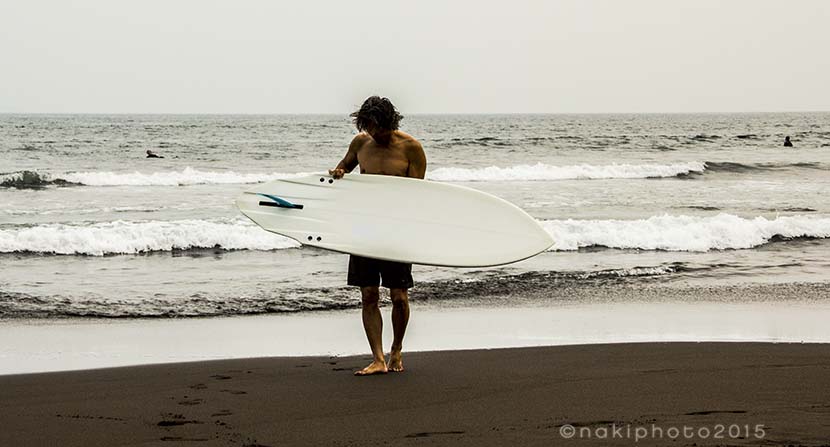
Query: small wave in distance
{"x": 541, "y": 171}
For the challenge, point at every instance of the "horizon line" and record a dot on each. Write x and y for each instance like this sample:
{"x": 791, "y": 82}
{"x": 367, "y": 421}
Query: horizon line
{"x": 413, "y": 113}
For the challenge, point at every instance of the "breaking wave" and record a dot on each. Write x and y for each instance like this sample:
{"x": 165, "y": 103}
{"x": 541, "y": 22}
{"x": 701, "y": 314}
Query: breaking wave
{"x": 726, "y": 166}
{"x": 30, "y": 180}
{"x": 123, "y": 237}
{"x": 187, "y": 176}
{"x": 667, "y": 232}
{"x": 534, "y": 172}
{"x": 541, "y": 171}
{"x": 683, "y": 233}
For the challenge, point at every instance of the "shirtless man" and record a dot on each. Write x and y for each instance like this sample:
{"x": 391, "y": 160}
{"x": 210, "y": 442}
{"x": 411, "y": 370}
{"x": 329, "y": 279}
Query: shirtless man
{"x": 380, "y": 148}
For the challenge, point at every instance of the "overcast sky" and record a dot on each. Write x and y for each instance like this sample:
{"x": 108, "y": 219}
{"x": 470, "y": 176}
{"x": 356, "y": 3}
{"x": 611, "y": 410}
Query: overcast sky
{"x": 451, "y": 56}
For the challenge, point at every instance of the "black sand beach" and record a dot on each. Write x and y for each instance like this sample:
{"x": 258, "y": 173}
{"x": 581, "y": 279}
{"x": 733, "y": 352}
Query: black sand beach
{"x": 175, "y": 269}
{"x": 524, "y": 396}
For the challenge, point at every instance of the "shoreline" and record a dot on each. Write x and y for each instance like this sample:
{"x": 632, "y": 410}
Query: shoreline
{"x": 517, "y": 396}
{"x": 48, "y": 345}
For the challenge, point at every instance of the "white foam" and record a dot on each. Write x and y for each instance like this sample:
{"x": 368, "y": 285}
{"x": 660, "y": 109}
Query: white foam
{"x": 682, "y": 233}
{"x": 541, "y": 171}
{"x": 122, "y": 237}
{"x": 188, "y": 176}
{"x": 107, "y": 209}
{"x": 634, "y": 271}
{"x": 673, "y": 233}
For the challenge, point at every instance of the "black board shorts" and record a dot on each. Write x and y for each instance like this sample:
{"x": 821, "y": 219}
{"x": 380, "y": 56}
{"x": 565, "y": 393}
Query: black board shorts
{"x": 368, "y": 272}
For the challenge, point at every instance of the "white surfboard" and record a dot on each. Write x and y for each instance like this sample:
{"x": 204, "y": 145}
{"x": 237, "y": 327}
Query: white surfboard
{"x": 396, "y": 219}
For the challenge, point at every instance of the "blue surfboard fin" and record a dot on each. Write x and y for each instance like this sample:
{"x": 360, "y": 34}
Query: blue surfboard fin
{"x": 278, "y": 202}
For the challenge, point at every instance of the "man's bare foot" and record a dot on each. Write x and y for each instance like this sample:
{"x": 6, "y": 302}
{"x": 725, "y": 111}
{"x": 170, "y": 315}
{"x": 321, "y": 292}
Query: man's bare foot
{"x": 376, "y": 367}
{"x": 395, "y": 361}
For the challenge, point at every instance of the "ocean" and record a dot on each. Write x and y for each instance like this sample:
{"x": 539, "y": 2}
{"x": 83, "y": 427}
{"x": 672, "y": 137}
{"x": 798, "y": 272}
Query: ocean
{"x": 642, "y": 207}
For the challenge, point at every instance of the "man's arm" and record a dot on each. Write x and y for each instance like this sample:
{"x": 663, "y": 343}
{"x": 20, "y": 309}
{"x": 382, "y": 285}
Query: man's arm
{"x": 349, "y": 161}
{"x": 417, "y": 161}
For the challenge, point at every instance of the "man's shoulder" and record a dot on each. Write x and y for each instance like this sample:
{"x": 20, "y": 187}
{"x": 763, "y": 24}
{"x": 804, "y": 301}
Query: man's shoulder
{"x": 360, "y": 140}
{"x": 362, "y": 136}
{"x": 409, "y": 142}
{"x": 405, "y": 136}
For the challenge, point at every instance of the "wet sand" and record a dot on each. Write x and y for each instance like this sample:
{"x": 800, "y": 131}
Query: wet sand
{"x": 519, "y": 396}
{"x": 33, "y": 346}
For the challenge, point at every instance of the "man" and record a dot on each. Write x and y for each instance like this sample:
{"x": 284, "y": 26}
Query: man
{"x": 380, "y": 148}
{"x": 787, "y": 142}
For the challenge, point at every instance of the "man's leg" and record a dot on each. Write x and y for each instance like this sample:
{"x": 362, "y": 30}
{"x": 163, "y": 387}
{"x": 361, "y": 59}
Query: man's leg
{"x": 400, "y": 317}
{"x": 373, "y": 325}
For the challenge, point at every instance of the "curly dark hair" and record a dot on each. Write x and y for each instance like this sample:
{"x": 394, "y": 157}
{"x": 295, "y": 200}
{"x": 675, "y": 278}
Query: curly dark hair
{"x": 377, "y": 112}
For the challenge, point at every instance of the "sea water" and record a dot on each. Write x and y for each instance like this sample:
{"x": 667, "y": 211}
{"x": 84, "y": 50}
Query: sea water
{"x": 640, "y": 207}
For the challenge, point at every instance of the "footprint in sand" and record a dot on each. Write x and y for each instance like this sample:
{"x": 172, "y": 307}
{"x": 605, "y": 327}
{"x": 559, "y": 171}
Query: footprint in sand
{"x": 191, "y": 402}
{"x": 426, "y": 434}
{"x": 179, "y": 438}
{"x": 84, "y": 416}
{"x": 708, "y": 412}
{"x": 176, "y": 422}
{"x": 233, "y": 391}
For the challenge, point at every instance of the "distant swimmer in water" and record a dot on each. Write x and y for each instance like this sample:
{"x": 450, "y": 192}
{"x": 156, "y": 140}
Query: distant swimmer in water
{"x": 151, "y": 154}
{"x": 787, "y": 142}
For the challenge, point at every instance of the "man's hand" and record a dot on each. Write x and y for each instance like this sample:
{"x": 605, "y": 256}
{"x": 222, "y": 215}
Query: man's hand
{"x": 337, "y": 173}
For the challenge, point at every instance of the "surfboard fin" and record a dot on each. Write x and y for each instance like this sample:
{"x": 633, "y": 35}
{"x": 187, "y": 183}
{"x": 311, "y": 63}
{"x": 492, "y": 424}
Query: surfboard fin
{"x": 279, "y": 203}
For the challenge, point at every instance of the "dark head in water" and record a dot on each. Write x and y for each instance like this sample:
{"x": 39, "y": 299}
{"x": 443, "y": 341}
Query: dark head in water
{"x": 151, "y": 154}
{"x": 377, "y": 117}
{"x": 787, "y": 142}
